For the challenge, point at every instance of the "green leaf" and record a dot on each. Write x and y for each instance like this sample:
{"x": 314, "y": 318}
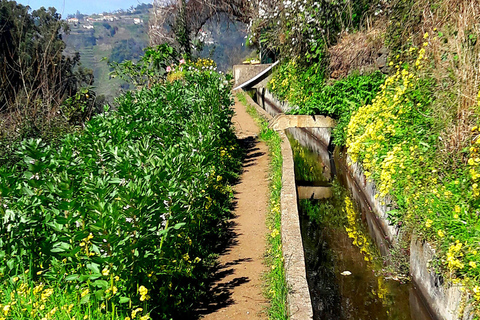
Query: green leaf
{"x": 94, "y": 267}
{"x": 72, "y": 277}
{"x": 124, "y": 299}
{"x": 11, "y": 264}
{"x": 85, "y": 299}
{"x": 99, "y": 294}
{"x": 101, "y": 284}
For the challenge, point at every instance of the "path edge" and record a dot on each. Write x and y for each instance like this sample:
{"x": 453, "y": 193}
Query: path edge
{"x": 298, "y": 296}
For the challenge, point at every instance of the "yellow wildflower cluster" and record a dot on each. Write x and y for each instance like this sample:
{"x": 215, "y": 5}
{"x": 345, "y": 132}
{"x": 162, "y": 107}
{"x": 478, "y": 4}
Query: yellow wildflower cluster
{"x": 203, "y": 64}
{"x": 30, "y": 302}
{"x": 274, "y": 233}
{"x": 134, "y": 315}
{"x": 474, "y": 162}
{"x": 394, "y": 161}
{"x": 371, "y": 124}
{"x": 453, "y": 255}
{"x": 85, "y": 243}
{"x": 143, "y": 293}
{"x": 285, "y": 83}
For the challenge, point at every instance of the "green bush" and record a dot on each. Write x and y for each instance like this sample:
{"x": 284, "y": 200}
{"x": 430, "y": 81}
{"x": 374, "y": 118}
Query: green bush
{"x": 307, "y": 91}
{"x": 126, "y": 214}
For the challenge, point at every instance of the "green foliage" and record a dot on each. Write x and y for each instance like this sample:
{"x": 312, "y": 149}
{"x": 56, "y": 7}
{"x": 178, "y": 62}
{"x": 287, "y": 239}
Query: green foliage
{"x": 307, "y": 166}
{"x": 126, "y": 50}
{"x": 36, "y": 78}
{"x": 80, "y": 107}
{"x": 303, "y": 29}
{"x": 306, "y": 90}
{"x": 150, "y": 69}
{"x": 137, "y": 199}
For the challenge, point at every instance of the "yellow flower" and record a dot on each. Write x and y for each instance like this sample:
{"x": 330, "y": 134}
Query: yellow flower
{"x": 134, "y": 312}
{"x": 105, "y": 271}
{"x": 6, "y": 309}
{"x": 472, "y": 264}
{"x": 143, "y": 291}
{"x": 440, "y": 233}
{"x": 85, "y": 292}
{"x": 428, "y": 223}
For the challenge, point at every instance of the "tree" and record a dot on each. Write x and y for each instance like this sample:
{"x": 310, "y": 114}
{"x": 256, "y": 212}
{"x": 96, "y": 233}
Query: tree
{"x": 36, "y": 76}
{"x": 179, "y": 21}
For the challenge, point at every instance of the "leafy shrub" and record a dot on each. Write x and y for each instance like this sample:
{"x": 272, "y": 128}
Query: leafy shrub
{"x": 149, "y": 70}
{"x": 128, "y": 212}
{"x": 307, "y": 91}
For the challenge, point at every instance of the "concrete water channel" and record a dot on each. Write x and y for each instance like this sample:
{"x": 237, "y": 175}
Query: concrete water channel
{"x": 346, "y": 276}
{"x": 429, "y": 296}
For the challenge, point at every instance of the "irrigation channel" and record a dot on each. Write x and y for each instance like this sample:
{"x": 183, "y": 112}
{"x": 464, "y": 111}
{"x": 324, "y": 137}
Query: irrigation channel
{"x": 346, "y": 274}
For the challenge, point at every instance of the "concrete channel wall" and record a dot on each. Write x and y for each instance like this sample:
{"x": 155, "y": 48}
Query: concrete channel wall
{"x": 443, "y": 301}
{"x": 299, "y": 302}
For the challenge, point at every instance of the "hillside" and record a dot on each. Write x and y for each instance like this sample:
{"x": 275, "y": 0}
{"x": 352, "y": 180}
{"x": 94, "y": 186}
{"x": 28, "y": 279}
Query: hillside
{"x": 118, "y": 36}
{"x": 402, "y": 80}
{"x": 122, "y": 35}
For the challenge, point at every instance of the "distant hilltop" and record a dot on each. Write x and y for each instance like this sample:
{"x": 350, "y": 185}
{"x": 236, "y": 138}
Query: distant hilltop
{"x": 128, "y": 14}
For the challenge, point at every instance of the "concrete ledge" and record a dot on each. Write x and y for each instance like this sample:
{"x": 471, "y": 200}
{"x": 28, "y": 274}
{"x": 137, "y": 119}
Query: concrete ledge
{"x": 245, "y": 74}
{"x": 299, "y": 302}
{"x": 283, "y": 121}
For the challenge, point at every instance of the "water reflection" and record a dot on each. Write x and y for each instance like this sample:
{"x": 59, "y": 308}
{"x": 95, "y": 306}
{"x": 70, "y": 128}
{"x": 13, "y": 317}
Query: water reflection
{"x": 344, "y": 268}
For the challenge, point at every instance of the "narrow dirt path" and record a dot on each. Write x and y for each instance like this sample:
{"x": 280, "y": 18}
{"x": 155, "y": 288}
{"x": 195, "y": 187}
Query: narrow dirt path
{"x": 237, "y": 289}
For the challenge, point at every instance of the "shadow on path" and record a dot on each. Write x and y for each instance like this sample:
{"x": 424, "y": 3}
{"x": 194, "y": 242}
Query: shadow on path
{"x": 222, "y": 281}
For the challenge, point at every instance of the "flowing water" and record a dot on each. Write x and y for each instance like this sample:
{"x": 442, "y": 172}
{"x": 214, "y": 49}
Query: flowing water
{"x": 345, "y": 272}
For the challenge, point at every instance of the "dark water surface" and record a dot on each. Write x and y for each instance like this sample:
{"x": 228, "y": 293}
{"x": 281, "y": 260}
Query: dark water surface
{"x": 344, "y": 269}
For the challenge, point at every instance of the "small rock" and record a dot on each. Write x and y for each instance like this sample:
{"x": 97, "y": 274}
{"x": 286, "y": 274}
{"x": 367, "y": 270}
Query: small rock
{"x": 346, "y": 273}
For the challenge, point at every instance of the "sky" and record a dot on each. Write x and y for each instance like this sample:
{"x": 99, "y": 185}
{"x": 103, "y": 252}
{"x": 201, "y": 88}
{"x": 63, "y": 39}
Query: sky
{"x": 65, "y": 7}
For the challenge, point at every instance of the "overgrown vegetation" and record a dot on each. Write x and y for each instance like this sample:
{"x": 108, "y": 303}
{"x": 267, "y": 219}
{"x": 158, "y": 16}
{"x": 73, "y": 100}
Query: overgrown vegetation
{"x": 416, "y": 134}
{"x": 309, "y": 94}
{"x": 40, "y": 85}
{"x": 121, "y": 221}
{"x": 276, "y": 287}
